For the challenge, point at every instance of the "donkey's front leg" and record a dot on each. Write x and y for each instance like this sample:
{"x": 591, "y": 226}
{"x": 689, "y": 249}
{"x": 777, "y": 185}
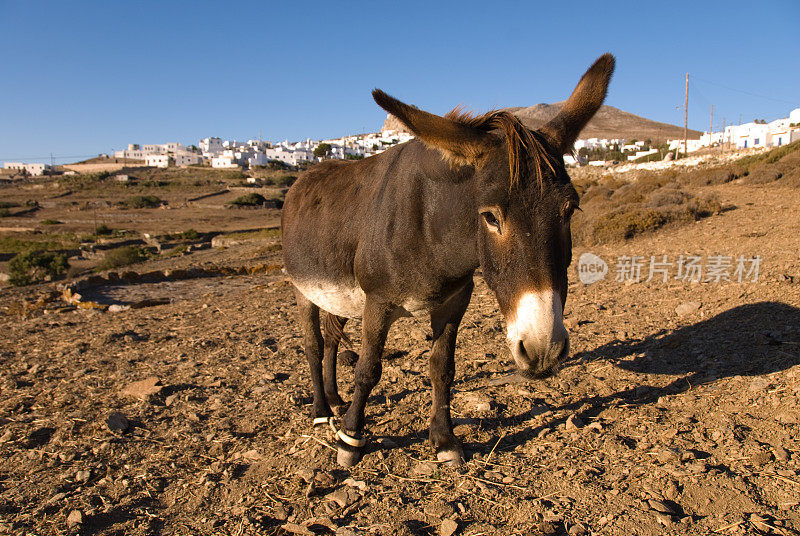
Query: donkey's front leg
{"x": 444, "y": 322}
{"x": 375, "y": 326}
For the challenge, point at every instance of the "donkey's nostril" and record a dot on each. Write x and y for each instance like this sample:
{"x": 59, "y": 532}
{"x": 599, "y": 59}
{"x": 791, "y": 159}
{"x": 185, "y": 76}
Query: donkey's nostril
{"x": 521, "y": 349}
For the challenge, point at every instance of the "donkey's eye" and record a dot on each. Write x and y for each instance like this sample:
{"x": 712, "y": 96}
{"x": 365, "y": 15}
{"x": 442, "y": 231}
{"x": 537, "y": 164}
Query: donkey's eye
{"x": 569, "y": 209}
{"x": 491, "y": 221}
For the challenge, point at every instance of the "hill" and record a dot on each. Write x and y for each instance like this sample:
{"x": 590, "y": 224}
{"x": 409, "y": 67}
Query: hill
{"x": 609, "y": 123}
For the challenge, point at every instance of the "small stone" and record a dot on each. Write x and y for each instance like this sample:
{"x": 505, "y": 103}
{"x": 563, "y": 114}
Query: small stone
{"x": 577, "y": 530}
{"x": 788, "y": 418}
{"x": 423, "y": 469}
{"x": 118, "y": 422}
{"x": 280, "y": 513}
{"x": 781, "y": 454}
{"x": 668, "y": 456}
{"x": 306, "y": 475}
{"x": 144, "y": 389}
{"x": 671, "y": 491}
{"x": 758, "y": 384}
{"x": 547, "y": 528}
{"x": 75, "y": 518}
{"x": 595, "y": 427}
{"x": 660, "y": 506}
{"x": 478, "y": 403}
{"x": 448, "y": 527}
{"x": 117, "y": 308}
{"x": 83, "y": 476}
{"x": 340, "y": 497}
{"x": 508, "y": 479}
{"x": 664, "y": 519}
{"x": 574, "y": 422}
{"x": 687, "y": 308}
{"x": 761, "y": 458}
{"x": 294, "y": 528}
{"x": 6, "y": 437}
{"x": 439, "y": 509}
{"x": 360, "y": 484}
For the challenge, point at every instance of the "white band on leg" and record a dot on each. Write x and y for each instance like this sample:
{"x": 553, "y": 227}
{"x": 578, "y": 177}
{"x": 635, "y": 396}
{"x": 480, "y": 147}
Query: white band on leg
{"x": 352, "y": 441}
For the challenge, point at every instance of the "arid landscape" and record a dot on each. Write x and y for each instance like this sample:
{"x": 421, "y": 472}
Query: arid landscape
{"x": 157, "y": 385}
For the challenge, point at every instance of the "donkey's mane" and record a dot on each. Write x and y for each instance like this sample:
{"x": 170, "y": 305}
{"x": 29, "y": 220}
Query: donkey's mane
{"x": 522, "y": 142}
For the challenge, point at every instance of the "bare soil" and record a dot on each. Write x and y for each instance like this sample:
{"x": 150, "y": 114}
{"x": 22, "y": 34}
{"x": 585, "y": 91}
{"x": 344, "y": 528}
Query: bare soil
{"x": 658, "y": 423}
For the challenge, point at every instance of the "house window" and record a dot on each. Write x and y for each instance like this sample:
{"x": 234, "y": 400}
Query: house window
{"x": 755, "y": 142}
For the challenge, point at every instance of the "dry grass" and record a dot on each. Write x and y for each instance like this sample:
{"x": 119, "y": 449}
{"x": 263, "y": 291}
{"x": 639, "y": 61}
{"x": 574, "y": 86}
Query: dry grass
{"x": 621, "y": 207}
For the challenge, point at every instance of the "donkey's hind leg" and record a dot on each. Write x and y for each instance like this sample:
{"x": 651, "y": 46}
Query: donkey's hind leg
{"x": 308, "y": 318}
{"x": 334, "y": 333}
{"x": 444, "y": 322}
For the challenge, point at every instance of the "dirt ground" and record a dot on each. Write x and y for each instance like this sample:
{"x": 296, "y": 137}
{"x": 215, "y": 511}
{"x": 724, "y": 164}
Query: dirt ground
{"x": 677, "y": 412}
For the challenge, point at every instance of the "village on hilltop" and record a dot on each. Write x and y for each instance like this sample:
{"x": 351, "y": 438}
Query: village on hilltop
{"x": 229, "y": 154}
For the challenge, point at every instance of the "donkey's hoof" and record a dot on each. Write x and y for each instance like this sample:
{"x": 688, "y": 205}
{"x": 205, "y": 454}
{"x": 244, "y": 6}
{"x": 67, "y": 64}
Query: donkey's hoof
{"x": 350, "y": 449}
{"x": 347, "y": 456}
{"x": 450, "y": 457}
{"x": 348, "y": 357}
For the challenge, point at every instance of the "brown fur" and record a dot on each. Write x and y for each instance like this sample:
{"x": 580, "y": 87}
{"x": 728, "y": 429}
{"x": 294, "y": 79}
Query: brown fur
{"x": 522, "y": 143}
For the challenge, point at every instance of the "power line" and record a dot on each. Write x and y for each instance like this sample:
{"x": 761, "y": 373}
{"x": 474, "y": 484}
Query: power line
{"x": 56, "y": 157}
{"x": 744, "y": 92}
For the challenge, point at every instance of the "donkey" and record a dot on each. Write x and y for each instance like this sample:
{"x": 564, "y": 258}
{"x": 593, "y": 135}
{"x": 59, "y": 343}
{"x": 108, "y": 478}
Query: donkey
{"x": 401, "y": 233}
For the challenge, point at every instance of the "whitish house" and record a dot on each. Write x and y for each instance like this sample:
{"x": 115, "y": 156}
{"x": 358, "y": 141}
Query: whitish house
{"x": 157, "y": 160}
{"x": 224, "y": 162}
{"x": 186, "y": 158}
{"x": 33, "y": 169}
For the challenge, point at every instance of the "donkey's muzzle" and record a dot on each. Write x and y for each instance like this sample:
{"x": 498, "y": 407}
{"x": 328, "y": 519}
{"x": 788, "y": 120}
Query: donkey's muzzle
{"x": 536, "y": 334}
{"x": 536, "y": 359}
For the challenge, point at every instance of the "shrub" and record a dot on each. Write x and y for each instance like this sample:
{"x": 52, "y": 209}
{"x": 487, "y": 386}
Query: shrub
{"x": 33, "y": 266}
{"x": 8, "y": 204}
{"x": 626, "y": 224}
{"x": 189, "y": 234}
{"x": 123, "y": 256}
{"x": 4, "y": 212}
{"x": 286, "y": 180}
{"x": 103, "y": 230}
{"x": 143, "y": 201}
{"x": 249, "y": 200}
{"x": 49, "y": 221}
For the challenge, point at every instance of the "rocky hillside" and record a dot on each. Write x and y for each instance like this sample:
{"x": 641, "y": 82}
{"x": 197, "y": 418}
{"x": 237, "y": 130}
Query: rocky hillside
{"x": 609, "y": 122}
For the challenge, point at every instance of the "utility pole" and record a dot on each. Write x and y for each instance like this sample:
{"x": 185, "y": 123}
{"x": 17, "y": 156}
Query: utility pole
{"x": 711, "y": 124}
{"x": 722, "y": 141}
{"x": 686, "y": 118}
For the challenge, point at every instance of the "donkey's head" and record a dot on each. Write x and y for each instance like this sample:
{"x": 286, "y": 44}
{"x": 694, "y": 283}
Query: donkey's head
{"x": 524, "y": 201}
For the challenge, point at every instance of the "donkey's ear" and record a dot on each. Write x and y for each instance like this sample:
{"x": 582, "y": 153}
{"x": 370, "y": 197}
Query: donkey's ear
{"x": 459, "y": 143}
{"x": 581, "y": 106}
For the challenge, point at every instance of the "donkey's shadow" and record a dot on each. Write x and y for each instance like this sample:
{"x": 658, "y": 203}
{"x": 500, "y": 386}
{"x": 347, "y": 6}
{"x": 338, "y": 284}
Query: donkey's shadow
{"x": 748, "y": 340}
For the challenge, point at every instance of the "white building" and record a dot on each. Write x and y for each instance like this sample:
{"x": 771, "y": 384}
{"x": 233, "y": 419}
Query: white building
{"x": 773, "y": 134}
{"x": 140, "y": 152}
{"x": 210, "y": 147}
{"x": 157, "y": 160}
{"x": 34, "y": 170}
{"x": 224, "y": 162}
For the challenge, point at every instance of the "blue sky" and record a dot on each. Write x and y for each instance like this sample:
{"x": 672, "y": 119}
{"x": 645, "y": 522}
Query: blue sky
{"x": 79, "y": 78}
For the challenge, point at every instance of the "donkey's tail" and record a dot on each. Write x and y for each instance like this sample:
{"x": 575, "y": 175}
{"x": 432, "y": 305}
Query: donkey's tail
{"x": 334, "y": 327}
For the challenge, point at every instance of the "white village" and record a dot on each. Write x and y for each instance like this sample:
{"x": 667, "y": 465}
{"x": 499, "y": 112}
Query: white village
{"x": 231, "y": 154}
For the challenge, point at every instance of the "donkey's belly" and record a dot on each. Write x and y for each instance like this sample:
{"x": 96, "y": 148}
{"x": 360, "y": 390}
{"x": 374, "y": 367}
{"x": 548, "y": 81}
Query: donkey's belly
{"x": 337, "y": 298}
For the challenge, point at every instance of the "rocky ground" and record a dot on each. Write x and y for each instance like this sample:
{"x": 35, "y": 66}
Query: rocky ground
{"x": 676, "y": 414}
